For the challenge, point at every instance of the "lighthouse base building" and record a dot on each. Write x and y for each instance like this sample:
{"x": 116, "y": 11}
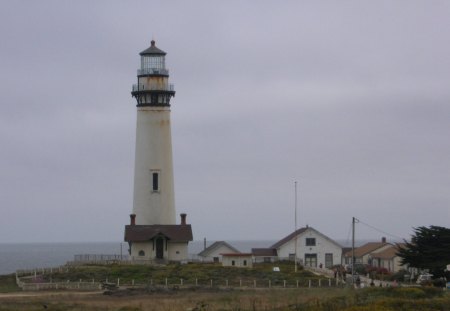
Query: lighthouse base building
{"x": 153, "y": 235}
{"x": 158, "y": 243}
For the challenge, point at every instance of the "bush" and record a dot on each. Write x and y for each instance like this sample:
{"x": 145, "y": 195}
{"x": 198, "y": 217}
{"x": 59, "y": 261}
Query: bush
{"x": 441, "y": 282}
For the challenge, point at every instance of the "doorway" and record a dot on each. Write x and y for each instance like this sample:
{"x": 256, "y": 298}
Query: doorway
{"x": 311, "y": 260}
{"x": 159, "y": 248}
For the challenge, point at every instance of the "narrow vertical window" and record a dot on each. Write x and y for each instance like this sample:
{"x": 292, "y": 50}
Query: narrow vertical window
{"x": 155, "y": 178}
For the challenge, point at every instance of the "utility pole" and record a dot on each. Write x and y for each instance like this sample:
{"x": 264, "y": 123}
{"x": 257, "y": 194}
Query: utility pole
{"x": 353, "y": 249}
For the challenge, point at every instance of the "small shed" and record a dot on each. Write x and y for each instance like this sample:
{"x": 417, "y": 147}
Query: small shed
{"x": 238, "y": 260}
{"x": 215, "y": 250}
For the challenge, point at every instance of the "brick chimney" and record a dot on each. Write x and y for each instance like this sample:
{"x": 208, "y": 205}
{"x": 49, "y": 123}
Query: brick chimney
{"x": 132, "y": 219}
{"x": 183, "y": 219}
{"x": 383, "y": 240}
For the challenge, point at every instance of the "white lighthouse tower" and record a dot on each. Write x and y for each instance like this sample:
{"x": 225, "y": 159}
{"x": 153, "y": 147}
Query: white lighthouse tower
{"x": 154, "y": 201}
{"x": 152, "y": 233}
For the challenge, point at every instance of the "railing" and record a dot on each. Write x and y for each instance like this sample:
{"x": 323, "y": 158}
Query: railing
{"x": 100, "y": 257}
{"x": 143, "y": 87}
{"x": 89, "y": 286}
{"x": 152, "y": 71}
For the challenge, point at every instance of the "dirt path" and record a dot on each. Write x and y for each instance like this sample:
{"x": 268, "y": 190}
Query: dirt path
{"x": 48, "y": 293}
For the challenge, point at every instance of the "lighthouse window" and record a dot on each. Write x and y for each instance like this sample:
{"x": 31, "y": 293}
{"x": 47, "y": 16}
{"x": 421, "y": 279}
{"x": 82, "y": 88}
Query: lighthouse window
{"x": 152, "y": 62}
{"x": 155, "y": 178}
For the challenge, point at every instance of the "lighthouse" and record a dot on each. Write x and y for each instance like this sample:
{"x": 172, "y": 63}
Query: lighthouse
{"x": 153, "y": 234}
{"x": 153, "y": 200}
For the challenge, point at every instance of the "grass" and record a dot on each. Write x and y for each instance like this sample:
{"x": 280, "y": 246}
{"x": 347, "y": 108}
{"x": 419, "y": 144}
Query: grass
{"x": 8, "y": 283}
{"x": 192, "y": 273}
{"x": 216, "y": 298}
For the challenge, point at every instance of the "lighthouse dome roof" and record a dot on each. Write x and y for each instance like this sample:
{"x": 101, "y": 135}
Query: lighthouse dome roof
{"x": 153, "y": 50}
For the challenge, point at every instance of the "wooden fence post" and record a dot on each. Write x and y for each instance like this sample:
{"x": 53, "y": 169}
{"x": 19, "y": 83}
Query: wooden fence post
{"x": 309, "y": 283}
{"x": 297, "y": 283}
{"x": 320, "y": 282}
{"x": 329, "y": 282}
{"x": 284, "y": 283}
{"x": 166, "y": 282}
{"x": 254, "y": 283}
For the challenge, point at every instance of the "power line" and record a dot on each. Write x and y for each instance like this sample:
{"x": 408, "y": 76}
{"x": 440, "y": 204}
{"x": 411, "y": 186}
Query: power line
{"x": 381, "y": 231}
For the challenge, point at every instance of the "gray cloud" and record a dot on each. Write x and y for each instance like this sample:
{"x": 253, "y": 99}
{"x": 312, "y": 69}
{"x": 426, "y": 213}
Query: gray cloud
{"x": 351, "y": 99}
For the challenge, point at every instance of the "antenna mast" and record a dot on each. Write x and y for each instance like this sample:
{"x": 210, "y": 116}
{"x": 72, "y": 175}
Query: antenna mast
{"x": 295, "y": 217}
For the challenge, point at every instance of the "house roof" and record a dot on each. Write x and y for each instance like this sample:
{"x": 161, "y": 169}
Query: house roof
{"x": 142, "y": 233}
{"x": 216, "y": 245}
{"x": 345, "y": 250}
{"x": 298, "y": 232}
{"x": 288, "y": 238}
{"x": 388, "y": 253}
{"x": 264, "y": 252}
{"x": 366, "y": 249}
{"x": 152, "y": 50}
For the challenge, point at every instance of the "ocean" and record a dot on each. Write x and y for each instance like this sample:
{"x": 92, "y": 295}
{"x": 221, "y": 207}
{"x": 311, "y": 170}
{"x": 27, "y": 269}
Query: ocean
{"x": 46, "y": 255}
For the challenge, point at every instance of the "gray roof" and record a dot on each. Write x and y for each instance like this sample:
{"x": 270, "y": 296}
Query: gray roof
{"x": 288, "y": 238}
{"x": 298, "y": 232}
{"x": 264, "y": 252}
{"x": 217, "y": 244}
{"x": 142, "y": 233}
{"x": 152, "y": 50}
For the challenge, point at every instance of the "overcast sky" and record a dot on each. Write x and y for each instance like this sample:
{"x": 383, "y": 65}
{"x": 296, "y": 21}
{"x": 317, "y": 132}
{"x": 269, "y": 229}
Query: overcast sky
{"x": 349, "y": 98}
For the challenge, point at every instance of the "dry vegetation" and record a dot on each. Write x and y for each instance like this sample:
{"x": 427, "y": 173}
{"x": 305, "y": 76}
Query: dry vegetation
{"x": 204, "y": 297}
{"x": 314, "y": 299}
{"x": 180, "y": 300}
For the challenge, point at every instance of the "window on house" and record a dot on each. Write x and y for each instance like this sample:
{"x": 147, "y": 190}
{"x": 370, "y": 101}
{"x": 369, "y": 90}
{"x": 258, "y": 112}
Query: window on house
{"x": 311, "y": 260}
{"x": 232, "y": 263}
{"x": 328, "y": 260}
{"x": 141, "y": 253}
{"x": 245, "y": 262}
{"x": 310, "y": 241}
{"x": 155, "y": 181}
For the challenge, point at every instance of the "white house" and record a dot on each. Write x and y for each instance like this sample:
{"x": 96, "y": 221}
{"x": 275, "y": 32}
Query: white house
{"x": 388, "y": 258}
{"x": 314, "y": 249}
{"x": 363, "y": 254}
{"x": 214, "y": 251}
{"x": 158, "y": 243}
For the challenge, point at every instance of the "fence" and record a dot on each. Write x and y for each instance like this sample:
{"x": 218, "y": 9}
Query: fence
{"x": 31, "y": 283}
{"x": 60, "y": 285}
{"x": 99, "y": 259}
{"x": 33, "y": 279}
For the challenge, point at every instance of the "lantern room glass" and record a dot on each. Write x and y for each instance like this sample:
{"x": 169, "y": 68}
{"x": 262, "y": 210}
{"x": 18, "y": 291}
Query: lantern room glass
{"x": 153, "y": 62}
